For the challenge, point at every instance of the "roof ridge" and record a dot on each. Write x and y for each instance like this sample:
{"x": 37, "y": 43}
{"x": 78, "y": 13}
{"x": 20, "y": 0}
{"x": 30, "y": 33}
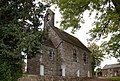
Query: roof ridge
{"x": 69, "y": 38}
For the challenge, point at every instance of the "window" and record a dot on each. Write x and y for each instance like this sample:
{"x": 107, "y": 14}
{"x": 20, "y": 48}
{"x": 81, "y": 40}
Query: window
{"x": 85, "y": 58}
{"x": 51, "y": 54}
{"x": 75, "y": 56}
{"x": 60, "y": 72}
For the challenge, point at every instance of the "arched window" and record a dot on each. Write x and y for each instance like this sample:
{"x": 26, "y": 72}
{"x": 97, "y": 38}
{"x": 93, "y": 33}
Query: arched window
{"x": 51, "y": 54}
{"x": 84, "y": 57}
{"x": 75, "y": 59}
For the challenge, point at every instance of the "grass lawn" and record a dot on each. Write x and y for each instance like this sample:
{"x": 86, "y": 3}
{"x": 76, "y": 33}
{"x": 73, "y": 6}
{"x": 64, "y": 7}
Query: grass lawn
{"x": 113, "y": 78}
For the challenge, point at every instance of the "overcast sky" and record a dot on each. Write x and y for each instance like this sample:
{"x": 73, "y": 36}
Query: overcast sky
{"x": 81, "y": 34}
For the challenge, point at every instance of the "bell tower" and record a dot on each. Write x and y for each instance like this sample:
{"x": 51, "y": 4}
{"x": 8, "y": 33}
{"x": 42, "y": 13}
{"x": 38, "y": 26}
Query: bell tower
{"x": 49, "y": 18}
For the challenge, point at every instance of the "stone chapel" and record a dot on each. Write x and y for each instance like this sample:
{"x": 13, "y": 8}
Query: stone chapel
{"x": 62, "y": 54}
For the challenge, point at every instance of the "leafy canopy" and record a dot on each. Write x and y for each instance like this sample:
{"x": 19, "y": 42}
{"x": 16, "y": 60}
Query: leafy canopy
{"x": 19, "y": 31}
{"x": 107, "y": 20}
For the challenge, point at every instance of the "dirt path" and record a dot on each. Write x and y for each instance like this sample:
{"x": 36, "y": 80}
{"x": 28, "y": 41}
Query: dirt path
{"x": 98, "y": 79}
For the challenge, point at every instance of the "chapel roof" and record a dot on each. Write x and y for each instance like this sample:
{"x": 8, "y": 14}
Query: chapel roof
{"x": 111, "y": 66}
{"x": 70, "y": 39}
{"x": 63, "y": 35}
{"x": 48, "y": 43}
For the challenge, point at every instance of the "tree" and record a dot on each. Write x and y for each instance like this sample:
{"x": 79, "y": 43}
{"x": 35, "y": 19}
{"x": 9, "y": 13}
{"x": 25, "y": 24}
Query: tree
{"x": 107, "y": 19}
{"x": 98, "y": 72}
{"x": 96, "y": 55}
{"x": 19, "y": 31}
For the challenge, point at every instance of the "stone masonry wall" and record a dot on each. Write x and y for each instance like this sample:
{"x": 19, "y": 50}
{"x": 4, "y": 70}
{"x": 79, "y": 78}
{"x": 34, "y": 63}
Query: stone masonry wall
{"x": 33, "y": 65}
{"x": 63, "y": 55}
{"x": 50, "y": 65}
{"x": 71, "y": 66}
{"x": 50, "y": 78}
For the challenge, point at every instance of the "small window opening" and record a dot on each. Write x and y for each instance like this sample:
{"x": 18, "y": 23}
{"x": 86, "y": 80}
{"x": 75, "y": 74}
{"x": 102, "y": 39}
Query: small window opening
{"x": 51, "y": 54}
{"x": 75, "y": 56}
{"x": 85, "y": 58}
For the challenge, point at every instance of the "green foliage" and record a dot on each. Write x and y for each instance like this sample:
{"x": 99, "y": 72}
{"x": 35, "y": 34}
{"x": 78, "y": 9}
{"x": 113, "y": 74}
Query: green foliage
{"x": 10, "y": 69}
{"x": 99, "y": 71}
{"x": 19, "y": 31}
{"x": 113, "y": 78}
{"x": 96, "y": 55}
{"x": 107, "y": 20}
{"x": 112, "y": 47}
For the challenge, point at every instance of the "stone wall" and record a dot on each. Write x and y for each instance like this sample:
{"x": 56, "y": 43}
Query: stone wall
{"x": 71, "y": 66}
{"x": 111, "y": 72}
{"x": 50, "y": 78}
{"x": 33, "y": 65}
{"x": 50, "y": 65}
{"x": 63, "y": 55}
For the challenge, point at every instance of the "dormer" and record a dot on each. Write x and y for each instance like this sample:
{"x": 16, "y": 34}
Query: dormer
{"x": 49, "y": 18}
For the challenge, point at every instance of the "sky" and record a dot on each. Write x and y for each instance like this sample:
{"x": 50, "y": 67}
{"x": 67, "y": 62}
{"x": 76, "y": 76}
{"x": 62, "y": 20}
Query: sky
{"x": 81, "y": 34}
